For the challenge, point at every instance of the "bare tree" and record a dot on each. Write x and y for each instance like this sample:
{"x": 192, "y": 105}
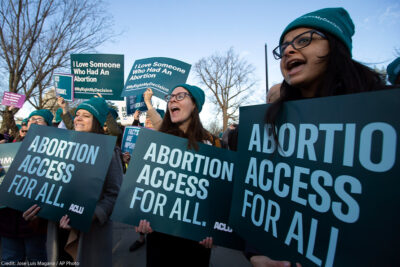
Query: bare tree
{"x": 229, "y": 78}
{"x": 37, "y": 38}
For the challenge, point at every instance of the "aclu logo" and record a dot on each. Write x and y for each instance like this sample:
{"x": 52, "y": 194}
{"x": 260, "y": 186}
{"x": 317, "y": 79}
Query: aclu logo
{"x": 222, "y": 227}
{"x": 76, "y": 208}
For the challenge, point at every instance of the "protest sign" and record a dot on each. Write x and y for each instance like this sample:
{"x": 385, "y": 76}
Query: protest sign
{"x": 181, "y": 192}
{"x": 134, "y": 102}
{"x": 13, "y": 99}
{"x": 64, "y": 84}
{"x": 129, "y": 138}
{"x": 62, "y": 171}
{"x": 7, "y": 154}
{"x": 158, "y": 73}
{"x": 98, "y": 73}
{"x": 328, "y": 196}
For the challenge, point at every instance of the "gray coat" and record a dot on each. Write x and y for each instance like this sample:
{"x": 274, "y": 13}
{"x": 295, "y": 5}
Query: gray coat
{"x": 95, "y": 246}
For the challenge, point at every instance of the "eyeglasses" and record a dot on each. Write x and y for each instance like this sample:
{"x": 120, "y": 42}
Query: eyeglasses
{"x": 298, "y": 42}
{"x": 24, "y": 131}
{"x": 178, "y": 97}
{"x": 36, "y": 119}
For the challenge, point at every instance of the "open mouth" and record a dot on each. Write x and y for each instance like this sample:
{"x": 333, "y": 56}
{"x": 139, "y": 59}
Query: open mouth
{"x": 174, "y": 109}
{"x": 294, "y": 63}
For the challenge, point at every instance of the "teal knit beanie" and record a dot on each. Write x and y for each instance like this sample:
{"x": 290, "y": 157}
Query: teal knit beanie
{"x": 196, "y": 92}
{"x": 45, "y": 114}
{"x": 393, "y": 70}
{"x": 97, "y": 106}
{"x": 335, "y": 21}
{"x": 24, "y": 121}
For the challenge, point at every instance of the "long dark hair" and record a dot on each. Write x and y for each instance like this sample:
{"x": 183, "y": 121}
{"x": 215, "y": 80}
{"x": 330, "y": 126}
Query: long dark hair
{"x": 343, "y": 75}
{"x": 195, "y": 131}
{"x": 96, "y": 127}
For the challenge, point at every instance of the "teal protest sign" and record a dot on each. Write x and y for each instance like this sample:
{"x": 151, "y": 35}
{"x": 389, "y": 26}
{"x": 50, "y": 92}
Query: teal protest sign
{"x": 134, "y": 102}
{"x": 62, "y": 171}
{"x": 7, "y": 154}
{"x": 181, "y": 192}
{"x": 129, "y": 138}
{"x": 98, "y": 73}
{"x": 158, "y": 73}
{"x": 64, "y": 84}
{"x": 329, "y": 195}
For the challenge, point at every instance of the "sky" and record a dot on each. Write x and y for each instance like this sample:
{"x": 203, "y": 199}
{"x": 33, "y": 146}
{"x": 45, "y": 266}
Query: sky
{"x": 189, "y": 30}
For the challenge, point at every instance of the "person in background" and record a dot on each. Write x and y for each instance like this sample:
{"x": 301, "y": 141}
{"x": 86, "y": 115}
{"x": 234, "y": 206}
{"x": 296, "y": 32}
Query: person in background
{"x": 136, "y": 117}
{"x": 23, "y": 129}
{"x": 21, "y": 239}
{"x": 224, "y": 138}
{"x": 393, "y": 72}
{"x": 184, "y": 103}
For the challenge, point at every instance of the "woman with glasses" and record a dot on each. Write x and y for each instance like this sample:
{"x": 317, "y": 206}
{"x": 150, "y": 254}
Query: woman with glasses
{"x": 181, "y": 119}
{"x": 316, "y": 61}
{"x": 20, "y": 239}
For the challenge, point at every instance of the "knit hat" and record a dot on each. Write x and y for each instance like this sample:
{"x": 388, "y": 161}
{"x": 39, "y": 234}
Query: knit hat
{"x": 393, "y": 70}
{"x": 113, "y": 112}
{"x": 58, "y": 118}
{"x": 335, "y": 21}
{"x": 97, "y": 106}
{"x": 24, "y": 121}
{"x": 196, "y": 92}
{"x": 45, "y": 114}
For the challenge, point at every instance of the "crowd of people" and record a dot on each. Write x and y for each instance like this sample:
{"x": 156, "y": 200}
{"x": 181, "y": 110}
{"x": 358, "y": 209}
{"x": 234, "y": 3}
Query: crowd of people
{"x": 315, "y": 53}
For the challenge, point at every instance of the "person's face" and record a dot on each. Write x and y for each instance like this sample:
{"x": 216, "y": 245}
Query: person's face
{"x": 35, "y": 119}
{"x": 23, "y": 131}
{"x": 180, "y": 110}
{"x": 83, "y": 121}
{"x": 303, "y": 68}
